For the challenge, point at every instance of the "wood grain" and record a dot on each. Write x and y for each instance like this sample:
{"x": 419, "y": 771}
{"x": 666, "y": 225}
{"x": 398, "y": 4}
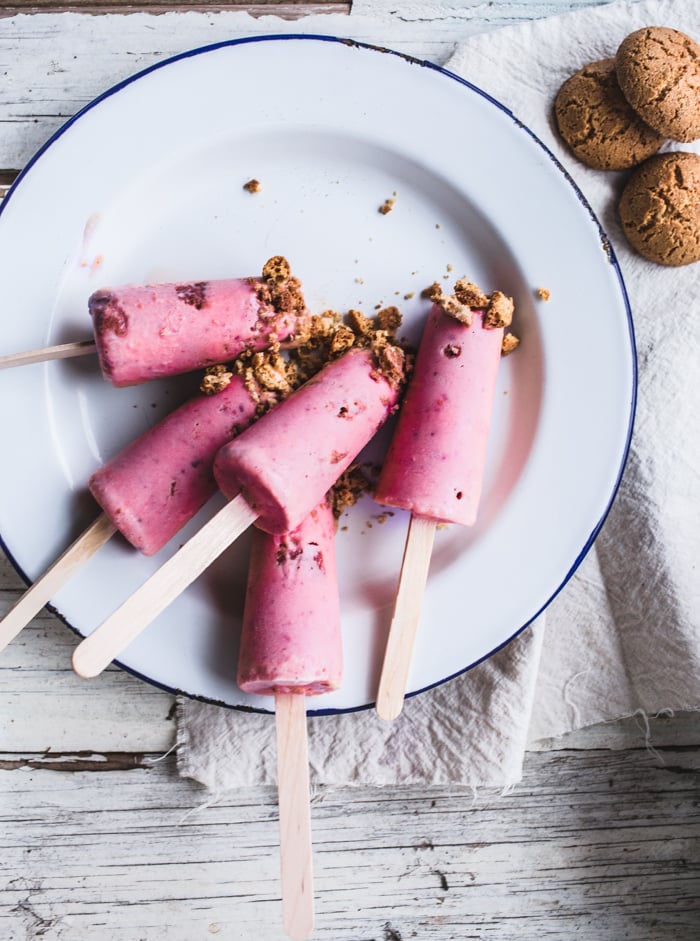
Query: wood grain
{"x": 60, "y": 351}
{"x": 67, "y": 61}
{"x": 289, "y": 10}
{"x": 294, "y": 795}
{"x": 46, "y": 708}
{"x": 598, "y": 845}
{"x": 406, "y": 617}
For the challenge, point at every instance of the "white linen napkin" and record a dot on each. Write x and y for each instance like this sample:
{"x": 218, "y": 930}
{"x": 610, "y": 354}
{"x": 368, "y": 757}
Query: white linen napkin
{"x": 624, "y": 635}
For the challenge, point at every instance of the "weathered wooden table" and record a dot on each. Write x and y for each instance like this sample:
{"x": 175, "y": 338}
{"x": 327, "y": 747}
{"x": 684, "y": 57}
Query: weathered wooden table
{"x": 101, "y": 839}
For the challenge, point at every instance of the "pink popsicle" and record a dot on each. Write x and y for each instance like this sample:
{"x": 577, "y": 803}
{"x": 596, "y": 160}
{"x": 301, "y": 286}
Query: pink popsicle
{"x": 276, "y": 478}
{"x": 291, "y": 648}
{"x": 286, "y": 462}
{"x": 435, "y": 463}
{"x": 145, "y": 332}
{"x": 290, "y": 639}
{"x": 149, "y": 490}
{"x": 157, "y": 484}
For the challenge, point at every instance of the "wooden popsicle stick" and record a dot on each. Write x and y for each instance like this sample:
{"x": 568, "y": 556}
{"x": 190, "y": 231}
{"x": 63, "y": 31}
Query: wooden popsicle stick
{"x": 295, "y": 815}
{"x": 62, "y": 351}
{"x": 45, "y": 587}
{"x": 404, "y": 622}
{"x": 105, "y": 643}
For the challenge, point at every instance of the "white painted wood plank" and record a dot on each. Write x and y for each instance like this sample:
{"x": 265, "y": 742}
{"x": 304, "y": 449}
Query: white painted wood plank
{"x": 68, "y": 59}
{"x": 286, "y": 9}
{"x": 597, "y": 845}
{"x": 43, "y": 704}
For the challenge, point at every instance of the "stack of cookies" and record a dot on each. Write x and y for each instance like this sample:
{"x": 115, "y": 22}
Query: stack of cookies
{"x": 617, "y": 113}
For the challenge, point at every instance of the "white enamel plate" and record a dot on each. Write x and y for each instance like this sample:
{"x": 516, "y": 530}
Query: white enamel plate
{"x": 146, "y": 184}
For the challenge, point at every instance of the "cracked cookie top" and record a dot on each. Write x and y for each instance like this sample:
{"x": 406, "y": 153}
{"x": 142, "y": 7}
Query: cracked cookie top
{"x": 598, "y": 123}
{"x": 658, "y": 69}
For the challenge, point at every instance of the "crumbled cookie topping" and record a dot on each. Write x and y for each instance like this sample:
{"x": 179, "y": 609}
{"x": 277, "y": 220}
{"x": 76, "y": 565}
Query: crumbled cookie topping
{"x": 216, "y": 379}
{"x": 471, "y": 295}
{"x": 375, "y": 333}
{"x": 389, "y": 319}
{"x": 252, "y": 186}
{"x": 510, "y": 342}
{"x": 544, "y": 294}
{"x": 387, "y": 206}
{"x": 348, "y": 489}
{"x": 342, "y": 340}
{"x": 467, "y": 297}
{"x": 277, "y": 269}
{"x": 450, "y": 304}
{"x": 264, "y": 374}
{"x": 272, "y": 374}
{"x": 314, "y": 346}
{"x": 499, "y": 312}
{"x": 359, "y": 323}
{"x": 269, "y": 370}
{"x": 279, "y": 290}
{"x": 394, "y": 364}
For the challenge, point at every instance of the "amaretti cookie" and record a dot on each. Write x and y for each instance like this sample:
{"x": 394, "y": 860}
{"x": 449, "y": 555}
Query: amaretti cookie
{"x": 598, "y": 123}
{"x": 660, "y": 209}
{"x": 658, "y": 70}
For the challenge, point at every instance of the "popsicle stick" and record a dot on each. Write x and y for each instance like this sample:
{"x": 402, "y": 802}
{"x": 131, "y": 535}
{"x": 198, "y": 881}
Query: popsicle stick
{"x": 295, "y": 815}
{"x": 62, "y": 351}
{"x": 98, "y": 650}
{"x": 44, "y": 588}
{"x": 404, "y": 622}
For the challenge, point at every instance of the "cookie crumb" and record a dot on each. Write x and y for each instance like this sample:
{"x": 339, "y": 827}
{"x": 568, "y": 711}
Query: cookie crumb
{"x": 277, "y": 269}
{"x": 449, "y": 304}
{"x": 252, "y": 186}
{"x": 497, "y": 307}
{"x": 544, "y": 294}
{"x": 359, "y": 323}
{"x": 215, "y": 379}
{"x": 389, "y": 319}
{"x": 342, "y": 340}
{"x": 510, "y": 343}
{"x": 348, "y": 489}
{"x": 499, "y": 312}
{"x": 279, "y": 292}
{"x": 394, "y": 365}
{"x": 470, "y": 294}
{"x": 387, "y": 206}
